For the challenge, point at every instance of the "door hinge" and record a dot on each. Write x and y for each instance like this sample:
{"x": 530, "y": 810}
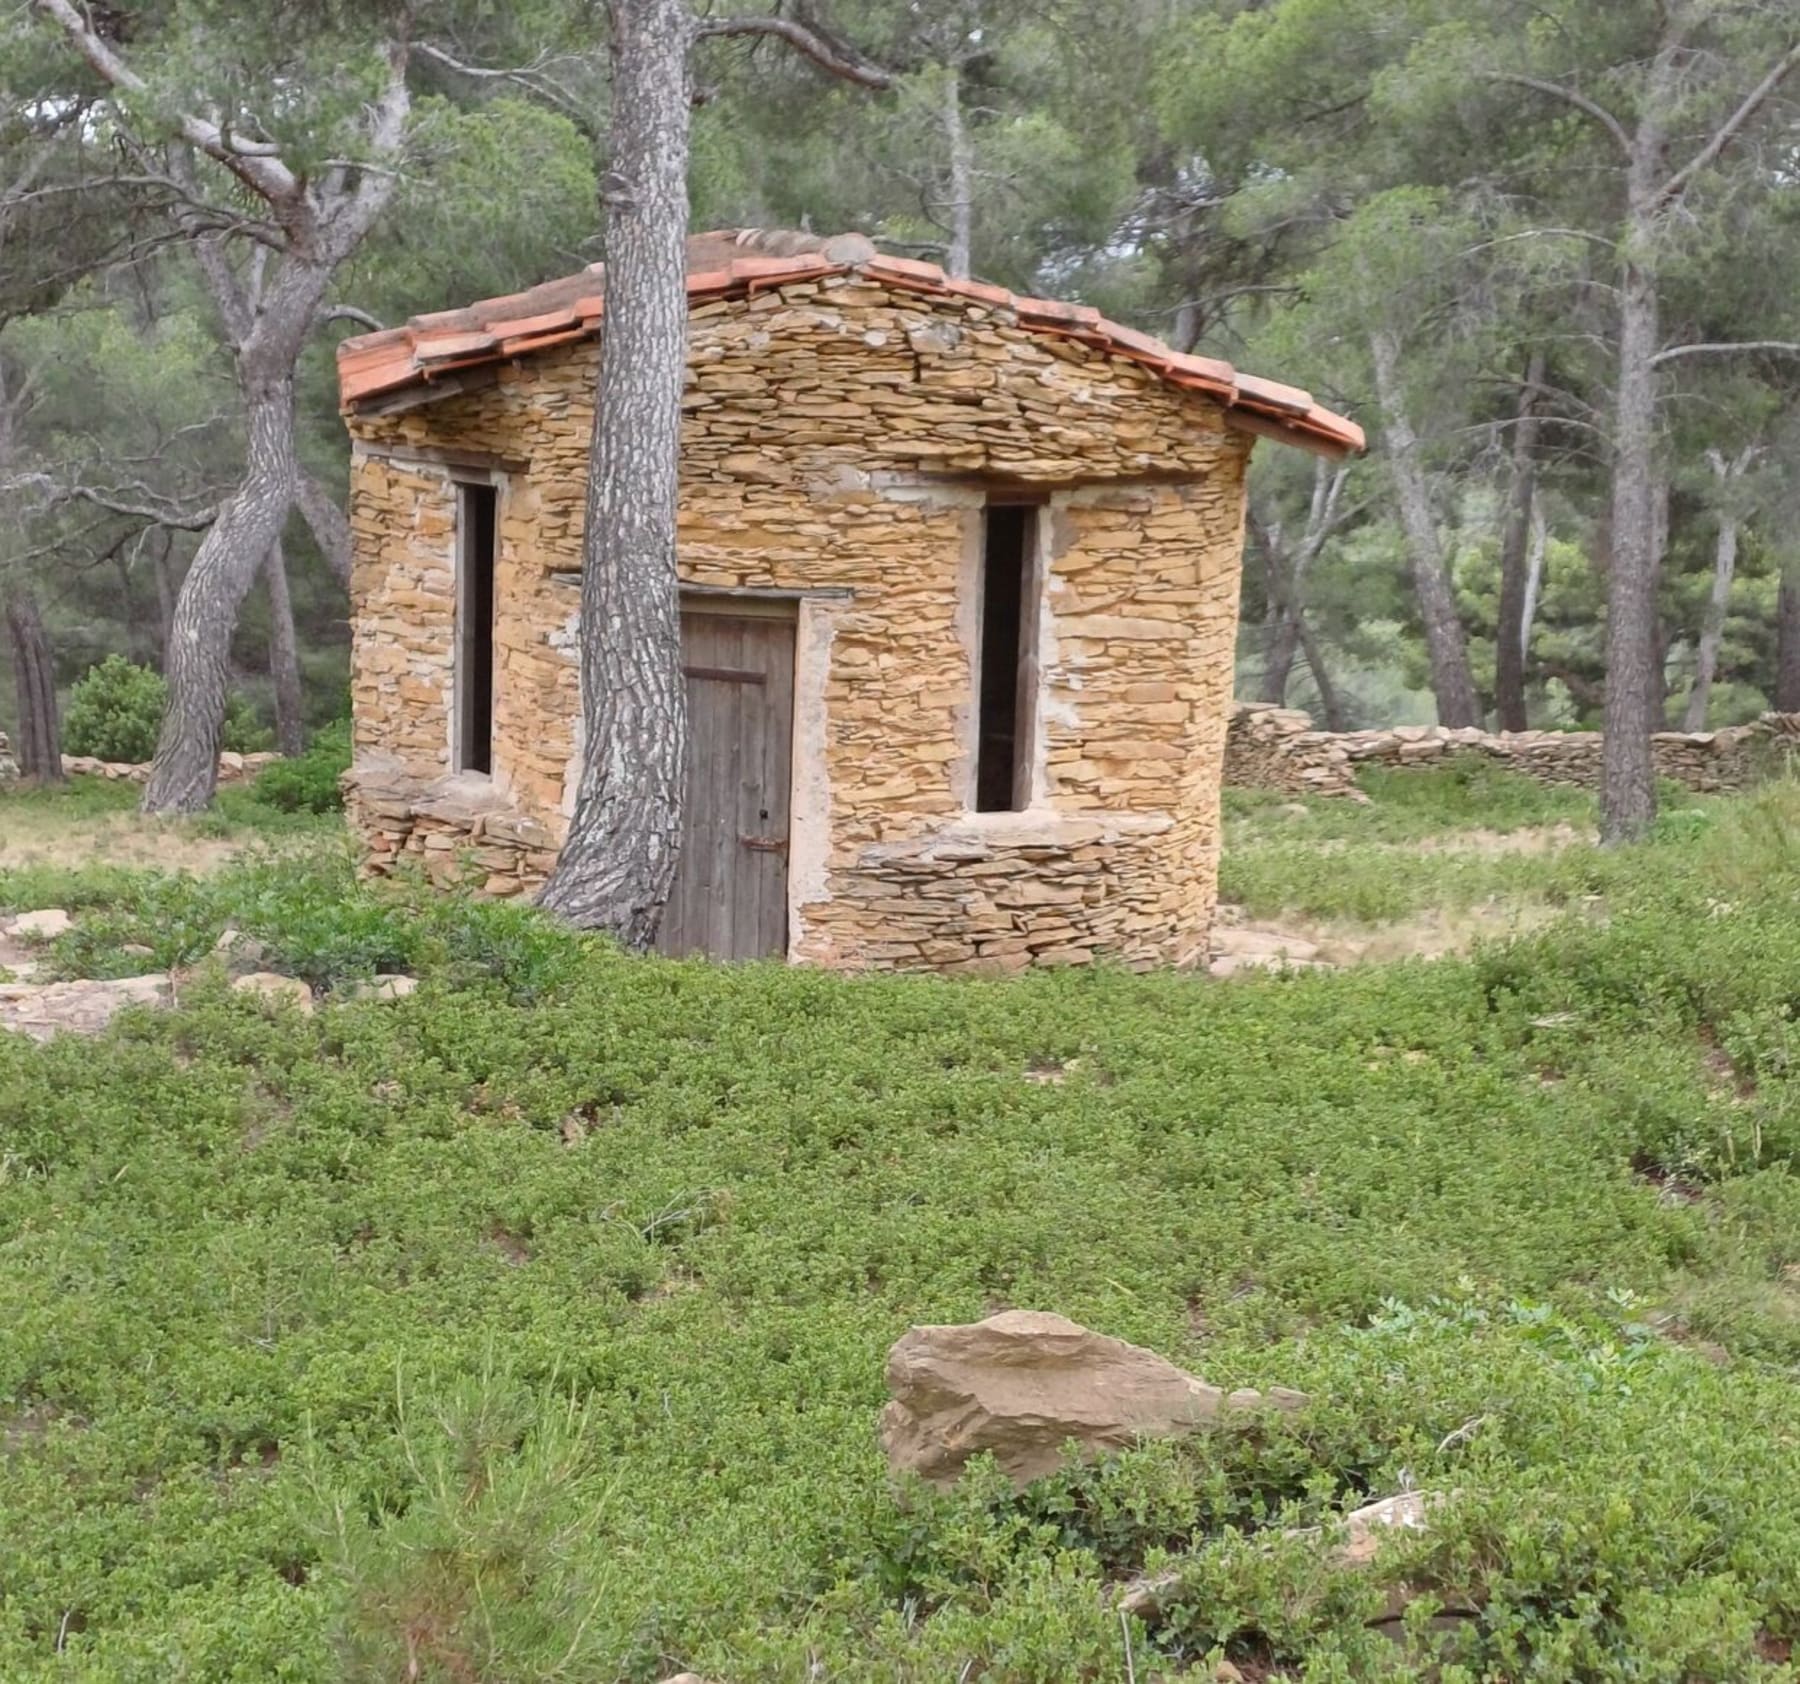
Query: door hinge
{"x": 766, "y": 844}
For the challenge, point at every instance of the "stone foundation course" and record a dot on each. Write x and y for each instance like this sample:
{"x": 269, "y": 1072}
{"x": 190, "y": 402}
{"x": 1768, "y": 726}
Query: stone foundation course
{"x": 1276, "y": 748}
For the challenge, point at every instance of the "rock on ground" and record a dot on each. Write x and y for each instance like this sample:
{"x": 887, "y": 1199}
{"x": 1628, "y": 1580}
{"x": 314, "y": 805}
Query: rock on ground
{"x": 1364, "y": 1531}
{"x": 274, "y": 987}
{"x": 1024, "y": 1383}
{"x": 42, "y": 1010}
{"x": 384, "y": 988}
{"x": 240, "y": 952}
{"x": 1239, "y": 947}
{"x": 44, "y": 925}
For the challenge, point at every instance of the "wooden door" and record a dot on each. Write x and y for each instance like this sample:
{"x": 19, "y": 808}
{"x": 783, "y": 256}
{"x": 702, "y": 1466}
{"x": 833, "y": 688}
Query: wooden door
{"x": 730, "y": 894}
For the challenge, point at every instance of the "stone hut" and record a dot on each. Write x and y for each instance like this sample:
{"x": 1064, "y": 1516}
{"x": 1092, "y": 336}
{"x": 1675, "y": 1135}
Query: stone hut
{"x": 960, "y": 587}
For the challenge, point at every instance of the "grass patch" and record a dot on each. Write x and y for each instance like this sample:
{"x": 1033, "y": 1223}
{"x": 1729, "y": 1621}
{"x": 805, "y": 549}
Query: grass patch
{"x": 1461, "y": 837}
{"x": 532, "y": 1327}
{"x": 61, "y": 830}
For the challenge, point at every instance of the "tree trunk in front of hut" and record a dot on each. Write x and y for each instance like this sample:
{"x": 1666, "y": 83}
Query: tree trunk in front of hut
{"x": 185, "y": 770}
{"x": 39, "y": 748}
{"x": 284, "y": 655}
{"x": 618, "y": 864}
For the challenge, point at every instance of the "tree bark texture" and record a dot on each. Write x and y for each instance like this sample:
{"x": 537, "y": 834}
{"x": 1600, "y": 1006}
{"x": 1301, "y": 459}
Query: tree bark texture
{"x": 284, "y": 655}
{"x": 1287, "y": 577}
{"x": 1510, "y": 635}
{"x": 1787, "y": 641}
{"x": 184, "y": 772}
{"x": 1451, "y": 681}
{"x": 1330, "y": 704}
{"x": 617, "y": 866}
{"x": 39, "y": 747}
{"x": 961, "y": 254}
{"x": 1634, "y": 690}
{"x": 1718, "y": 600}
{"x": 1535, "y": 552}
{"x": 168, "y": 588}
{"x": 1712, "y": 629}
{"x": 1284, "y": 638}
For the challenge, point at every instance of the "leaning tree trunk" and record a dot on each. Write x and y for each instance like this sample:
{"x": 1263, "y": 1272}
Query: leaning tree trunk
{"x": 284, "y": 655}
{"x": 1787, "y": 641}
{"x": 1712, "y": 629}
{"x": 1451, "y": 681}
{"x": 185, "y": 771}
{"x": 1515, "y": 536}
{"x": 39, "y": 748}
{"x": 1634, "y": 691}
{"x": 617, "y": 866}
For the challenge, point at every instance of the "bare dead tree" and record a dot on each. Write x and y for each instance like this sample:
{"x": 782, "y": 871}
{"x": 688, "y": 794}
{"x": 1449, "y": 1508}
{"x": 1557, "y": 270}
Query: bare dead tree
{"x": 302, "y": 229}
{"x": 617, "y": 866}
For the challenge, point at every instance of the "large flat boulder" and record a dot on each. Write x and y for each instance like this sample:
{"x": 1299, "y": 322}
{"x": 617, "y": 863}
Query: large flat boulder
{"x": 1025, "y": 1383}
{"x": 42, "y": 1010}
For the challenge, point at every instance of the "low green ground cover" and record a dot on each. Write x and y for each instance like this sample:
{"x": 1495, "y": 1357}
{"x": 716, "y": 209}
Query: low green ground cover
{"x": 531, "y": 1327}
{"x": 1466, "y": 835}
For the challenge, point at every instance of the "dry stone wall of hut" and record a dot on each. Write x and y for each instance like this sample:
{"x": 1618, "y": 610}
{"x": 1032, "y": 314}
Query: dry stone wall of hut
{"x": 1277, "y": 748}
{"x": 838, "y": 440}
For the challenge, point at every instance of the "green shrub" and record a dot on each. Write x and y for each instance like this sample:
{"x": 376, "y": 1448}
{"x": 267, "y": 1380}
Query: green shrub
{"x": 532, "y": 1327}
{"x": 115, "y": 711}
{"x": 243, "y": 731}
{"x": 309, "y": 782}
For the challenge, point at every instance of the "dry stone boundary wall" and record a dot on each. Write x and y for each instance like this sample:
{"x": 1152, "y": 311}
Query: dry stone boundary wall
{"x": 233, "y": 768}
{"x": 1276, "y": 748}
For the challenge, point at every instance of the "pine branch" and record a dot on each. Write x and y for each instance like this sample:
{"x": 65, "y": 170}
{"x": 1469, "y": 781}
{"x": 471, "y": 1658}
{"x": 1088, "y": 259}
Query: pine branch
{"x": 1786, "y": 347}
{"x": 1678, "y": 183}
{"x": 255, "y": 163}
{"x": 1570, "y": 96}
{"x": 831, "y": 54}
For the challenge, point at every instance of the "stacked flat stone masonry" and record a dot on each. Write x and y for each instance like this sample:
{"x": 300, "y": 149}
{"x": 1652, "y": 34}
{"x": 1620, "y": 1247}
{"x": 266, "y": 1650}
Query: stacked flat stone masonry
{"x": 1277, "y": 748}
{"x": 840, "y": 441}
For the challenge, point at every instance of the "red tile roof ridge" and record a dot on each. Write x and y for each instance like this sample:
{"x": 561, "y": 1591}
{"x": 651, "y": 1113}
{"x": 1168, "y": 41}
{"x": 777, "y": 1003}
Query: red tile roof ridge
{"x": 743, "y": 261}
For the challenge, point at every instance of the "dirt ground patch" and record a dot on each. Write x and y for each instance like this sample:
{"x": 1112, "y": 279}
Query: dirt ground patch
{"x": 30, "y": 836}
{"x": 1431, "y": 934}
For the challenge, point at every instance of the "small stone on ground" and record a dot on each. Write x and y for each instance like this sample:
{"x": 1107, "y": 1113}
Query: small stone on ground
{"x": 272, "y": 986}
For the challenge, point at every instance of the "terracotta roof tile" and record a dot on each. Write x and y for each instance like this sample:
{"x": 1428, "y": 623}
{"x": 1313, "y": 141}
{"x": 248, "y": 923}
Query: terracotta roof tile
{"x": 744, "y": 261}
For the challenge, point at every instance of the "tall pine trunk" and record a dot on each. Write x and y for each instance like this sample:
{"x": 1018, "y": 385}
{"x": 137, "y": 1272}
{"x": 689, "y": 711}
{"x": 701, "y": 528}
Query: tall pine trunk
{"x": 616, "y": 868}
{"x": 1634, "y": 688}
{"x": 284, "y": 655}
{"x": 1712, "y": 629}
{"x": 960, "y": 255}
{"x": 1787, "y": 641}
{"x": 185, "y": 770}
{"x": 1445, "y": 643}
{"x": 1515, "y": 536}
{"x": 39, "y": 748}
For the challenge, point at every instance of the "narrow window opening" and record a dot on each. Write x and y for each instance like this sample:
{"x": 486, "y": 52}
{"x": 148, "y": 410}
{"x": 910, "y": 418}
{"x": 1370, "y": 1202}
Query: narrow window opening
{"x": 475, "y": 533}
{"x": 1008, "y": 681}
